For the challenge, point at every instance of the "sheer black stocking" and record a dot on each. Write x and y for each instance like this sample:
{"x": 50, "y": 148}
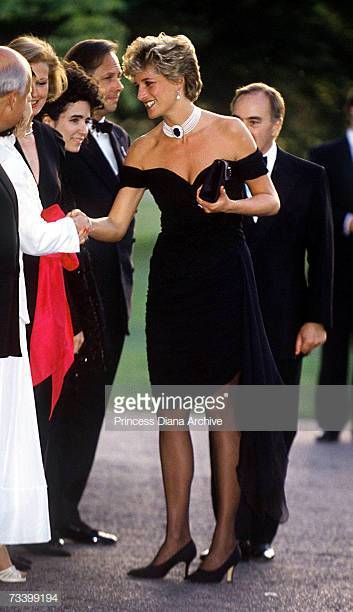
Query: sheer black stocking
{"x": 177, "y": 460}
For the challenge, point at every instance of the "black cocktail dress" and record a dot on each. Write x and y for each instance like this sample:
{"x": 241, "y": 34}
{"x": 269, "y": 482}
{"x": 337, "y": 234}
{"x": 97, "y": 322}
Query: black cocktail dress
{"x": 203, "y": 320}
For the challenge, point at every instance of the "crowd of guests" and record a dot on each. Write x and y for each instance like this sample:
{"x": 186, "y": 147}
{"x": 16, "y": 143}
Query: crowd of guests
{"x": 66, "y": 298}
{"x": 78, "y": 305}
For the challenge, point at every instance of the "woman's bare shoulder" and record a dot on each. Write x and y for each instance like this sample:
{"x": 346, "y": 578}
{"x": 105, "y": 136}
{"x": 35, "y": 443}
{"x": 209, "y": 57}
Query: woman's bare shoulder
{"x": 226, "y": 123}
{"x": 142, "y": 147}
{"x": 232, "y": 132}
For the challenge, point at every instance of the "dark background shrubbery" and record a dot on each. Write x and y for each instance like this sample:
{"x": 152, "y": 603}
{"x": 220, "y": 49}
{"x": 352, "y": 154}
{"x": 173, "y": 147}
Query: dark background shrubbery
{"x": 304, "y": 48}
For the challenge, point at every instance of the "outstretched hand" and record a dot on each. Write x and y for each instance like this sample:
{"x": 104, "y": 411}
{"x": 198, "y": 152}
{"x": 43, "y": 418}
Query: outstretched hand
{"x": 82, "y": 222}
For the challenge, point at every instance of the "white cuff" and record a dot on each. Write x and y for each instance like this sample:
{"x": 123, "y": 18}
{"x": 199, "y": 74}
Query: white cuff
{"x": 346, "y": 224}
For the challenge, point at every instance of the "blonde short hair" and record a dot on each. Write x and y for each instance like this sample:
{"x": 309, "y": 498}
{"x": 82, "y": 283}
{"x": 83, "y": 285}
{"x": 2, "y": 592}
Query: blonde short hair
{"x": 172, "y": 56}
{"x": 37, "y": 50}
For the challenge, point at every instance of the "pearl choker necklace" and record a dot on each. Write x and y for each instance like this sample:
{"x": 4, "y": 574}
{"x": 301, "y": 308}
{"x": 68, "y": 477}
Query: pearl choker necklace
{"x": 179, "y": 131}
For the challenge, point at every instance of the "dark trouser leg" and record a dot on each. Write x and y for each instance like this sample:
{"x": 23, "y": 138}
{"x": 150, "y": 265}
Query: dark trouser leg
{"x": 72, "y": 444}
{"x": 42, "y": 396}
{"x": 334, "y": 370}
{"x": 73, "y": 440}
{"x": 249, "y": 526}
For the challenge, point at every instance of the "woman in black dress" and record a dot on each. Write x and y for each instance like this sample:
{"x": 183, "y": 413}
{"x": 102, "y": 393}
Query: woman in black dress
{"x": 203, "y": 322}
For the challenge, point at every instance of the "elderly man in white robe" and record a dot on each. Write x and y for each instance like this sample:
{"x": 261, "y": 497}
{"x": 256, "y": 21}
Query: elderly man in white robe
{"x": 23, "y": 491}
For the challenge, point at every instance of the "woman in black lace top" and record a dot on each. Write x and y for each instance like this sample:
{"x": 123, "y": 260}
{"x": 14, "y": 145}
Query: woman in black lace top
{"x": 203, "y": 323}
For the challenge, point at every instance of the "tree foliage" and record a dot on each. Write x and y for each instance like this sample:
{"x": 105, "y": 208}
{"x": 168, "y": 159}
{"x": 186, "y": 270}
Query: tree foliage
{"x": 62, "y": 23}
{"x": 303, "y": 47}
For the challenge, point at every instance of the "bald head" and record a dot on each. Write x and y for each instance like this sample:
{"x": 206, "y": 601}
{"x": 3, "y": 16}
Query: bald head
{"x": 15, "y": 72}
{"x": 15, "y": 83}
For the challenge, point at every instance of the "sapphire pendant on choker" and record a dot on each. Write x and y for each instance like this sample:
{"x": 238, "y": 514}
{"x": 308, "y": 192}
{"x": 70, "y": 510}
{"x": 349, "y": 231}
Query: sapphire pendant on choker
{"x": 179, "y": 131}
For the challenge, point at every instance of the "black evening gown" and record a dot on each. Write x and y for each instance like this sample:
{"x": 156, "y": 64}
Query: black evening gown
{"x": 203, "y": 320}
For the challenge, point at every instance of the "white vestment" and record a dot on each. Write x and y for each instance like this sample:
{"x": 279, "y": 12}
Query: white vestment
{"x": 24, "y": 514}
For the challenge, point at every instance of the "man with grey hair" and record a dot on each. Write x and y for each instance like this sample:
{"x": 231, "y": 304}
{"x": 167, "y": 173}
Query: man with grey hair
{"x": 14, "y": 76}
{"x": 296, "y": 305}
{"x": 24, "y": 505}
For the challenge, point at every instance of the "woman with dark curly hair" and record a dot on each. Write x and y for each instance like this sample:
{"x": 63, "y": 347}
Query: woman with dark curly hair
{"x": 84, "y": 386}
{"x": 70, "y": 114}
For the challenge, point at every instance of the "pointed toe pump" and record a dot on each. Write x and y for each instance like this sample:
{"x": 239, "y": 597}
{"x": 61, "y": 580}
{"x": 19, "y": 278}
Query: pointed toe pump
{"x": 184, "y": 555}
{"x": 217, "y": 575}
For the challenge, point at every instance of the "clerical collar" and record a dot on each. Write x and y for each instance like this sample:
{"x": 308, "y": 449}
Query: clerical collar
{"x": 6, "y": 132}
{"x": 179, "y": 131}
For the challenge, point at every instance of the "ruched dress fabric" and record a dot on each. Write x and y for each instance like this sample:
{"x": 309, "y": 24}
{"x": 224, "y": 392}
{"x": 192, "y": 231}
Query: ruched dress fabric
{"x": 203, "y": 320}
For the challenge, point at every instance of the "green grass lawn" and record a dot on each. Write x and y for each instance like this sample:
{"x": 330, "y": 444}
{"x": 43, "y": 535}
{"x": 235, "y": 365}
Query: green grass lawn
{"x": 133, "y": 364}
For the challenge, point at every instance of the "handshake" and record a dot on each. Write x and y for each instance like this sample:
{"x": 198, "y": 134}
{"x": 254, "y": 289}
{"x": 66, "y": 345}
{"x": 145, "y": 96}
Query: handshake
{"x": 82, "y": 222}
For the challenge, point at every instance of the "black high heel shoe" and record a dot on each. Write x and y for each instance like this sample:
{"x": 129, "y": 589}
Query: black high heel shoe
{"x": 218, "y": 574}
{"x": 184, "y": 555}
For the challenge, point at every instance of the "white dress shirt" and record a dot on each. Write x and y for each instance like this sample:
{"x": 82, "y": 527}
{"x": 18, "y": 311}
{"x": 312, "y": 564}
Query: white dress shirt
{"x": 103, "y": 141}
{"x": 37, "y": 237}
{"x": 271, "y": 156}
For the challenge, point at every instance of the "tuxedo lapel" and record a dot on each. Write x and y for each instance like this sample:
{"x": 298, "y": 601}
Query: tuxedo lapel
{"x": 10, "y": 190}
{"x": 346, "y": 162}
{"x": 284, "y": 176}
{"x": 116, "y": 146}
{"x": 284, "y": 179}
{"x": 97, "y": 161}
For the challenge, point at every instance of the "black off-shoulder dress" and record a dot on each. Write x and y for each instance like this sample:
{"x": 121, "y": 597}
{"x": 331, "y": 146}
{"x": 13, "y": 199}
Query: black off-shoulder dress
{"x": 203, "y": 320}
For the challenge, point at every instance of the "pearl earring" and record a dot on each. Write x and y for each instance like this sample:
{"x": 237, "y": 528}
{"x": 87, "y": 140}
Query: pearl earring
{"x": 178, "y": 96}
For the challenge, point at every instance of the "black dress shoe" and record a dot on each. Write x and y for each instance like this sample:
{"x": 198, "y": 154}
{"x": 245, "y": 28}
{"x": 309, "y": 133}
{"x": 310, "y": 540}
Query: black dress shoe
{"x": 54, "y": 548}
{"x": 259, "y": 552}
{"x": 328, "y": 436}
{"x": 80, "y": 532}
{"x": 245, "y": 549}
{"x": 262, "y": 552}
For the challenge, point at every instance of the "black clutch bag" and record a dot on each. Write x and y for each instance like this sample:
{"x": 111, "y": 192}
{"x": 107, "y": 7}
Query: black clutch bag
{"x": 217, "y": 175}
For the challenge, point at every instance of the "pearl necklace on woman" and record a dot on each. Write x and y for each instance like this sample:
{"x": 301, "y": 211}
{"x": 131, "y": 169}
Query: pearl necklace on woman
{"x": 179, "y": 131}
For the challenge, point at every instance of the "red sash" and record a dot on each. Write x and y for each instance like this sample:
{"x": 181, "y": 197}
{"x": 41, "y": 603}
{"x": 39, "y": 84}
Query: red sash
{"x": 51, "y": 344}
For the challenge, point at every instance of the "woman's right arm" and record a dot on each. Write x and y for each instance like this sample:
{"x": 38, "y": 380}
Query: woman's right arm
{"x": 115, "y": 226}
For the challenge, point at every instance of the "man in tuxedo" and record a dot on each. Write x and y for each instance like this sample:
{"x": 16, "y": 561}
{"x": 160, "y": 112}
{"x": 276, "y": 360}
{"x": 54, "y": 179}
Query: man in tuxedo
{"x": 93, "y": 175}
{"x": 337, "y": 157}
{"x": 296, "y": 305}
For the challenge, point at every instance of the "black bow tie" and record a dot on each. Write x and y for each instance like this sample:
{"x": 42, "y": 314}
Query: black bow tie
{"x": 103, "y": 127}
{"x": 265, "y": 160}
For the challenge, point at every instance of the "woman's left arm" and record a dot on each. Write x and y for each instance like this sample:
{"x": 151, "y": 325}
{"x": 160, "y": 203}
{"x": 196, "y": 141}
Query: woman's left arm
{"x": 264, "y": 199}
